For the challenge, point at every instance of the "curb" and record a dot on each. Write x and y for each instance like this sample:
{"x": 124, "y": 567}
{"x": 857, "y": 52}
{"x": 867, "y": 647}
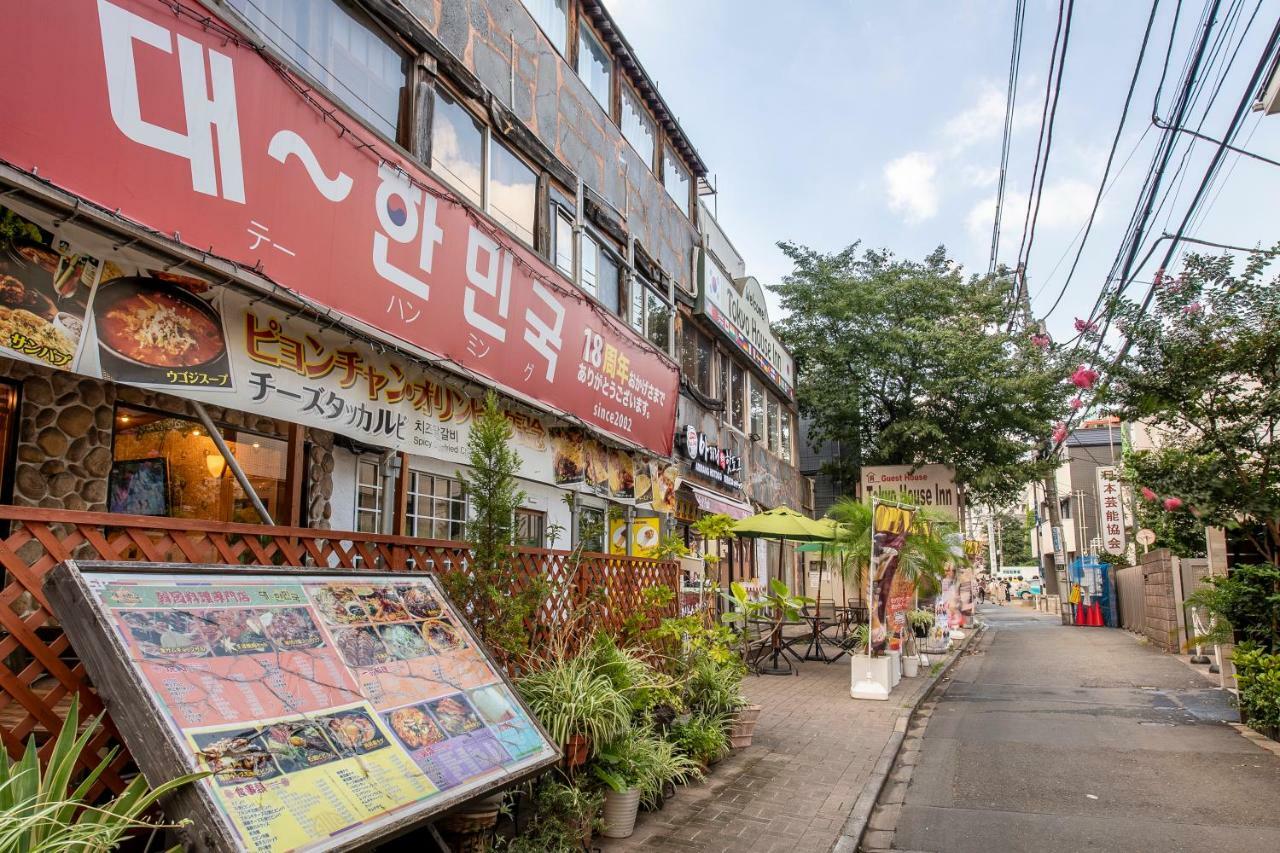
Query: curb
{"x": 855, "y": 826}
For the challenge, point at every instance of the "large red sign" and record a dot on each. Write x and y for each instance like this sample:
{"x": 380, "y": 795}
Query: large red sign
{"x": 193, "y": 134}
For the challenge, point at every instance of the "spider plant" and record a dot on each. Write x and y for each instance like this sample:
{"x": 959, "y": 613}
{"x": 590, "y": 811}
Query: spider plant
{"x": 43, "y": 809}
{"x": 574, "y": 696}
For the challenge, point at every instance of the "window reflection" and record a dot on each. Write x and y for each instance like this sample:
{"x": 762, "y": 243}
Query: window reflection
{"x": 340, "y": 48}
{"x": 457, "y": 147}
{"x": 595, "y": 67}
{"x": 513, "y": 192}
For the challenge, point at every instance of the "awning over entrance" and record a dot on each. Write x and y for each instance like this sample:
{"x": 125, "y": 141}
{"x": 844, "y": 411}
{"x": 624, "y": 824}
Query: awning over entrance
{"x": 709, "y": 501}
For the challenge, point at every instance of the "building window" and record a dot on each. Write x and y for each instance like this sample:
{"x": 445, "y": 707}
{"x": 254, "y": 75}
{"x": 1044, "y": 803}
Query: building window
{"x": 368, "y": 496}
{"x": 590, "y": 267}
{"x": 650, "y": 314}
{"x": 563, "y": 237}
{"x": 786, "y": 436}
{"x": 757, "y": 410}
{"x": 594, "y": 66}
{"x": 531, "y": 528}
{"x": 457, "y": 147}
{"x": 676, "y": 179}
{"x": 696, "y": 354}
{"x": 772, "y": 424}
{"x": 168, "y": 465}
{"x": 591, "y": 528}
{"x": 436, "y": 507}
{"x": 341, "y": 48}
{"x": 513, "y": 192}
{"x": 723, "y": 385}
{"x": 553, "y": 17}
{"x": 600, "y": 274}
{"x": 637, "y": 127}
{"x": 610, "y": 283}
{"x": 737, "y": 396}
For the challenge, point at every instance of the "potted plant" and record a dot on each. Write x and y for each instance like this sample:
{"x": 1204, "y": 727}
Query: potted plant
{"x": 48, "y": 807}
{"x": 636, "y": 768}
{"x": 577, "y": 703}
{"x": 565, "y": 816}
{"x": 702, "y": 737}
{"x": 910, "y": 657}
{"x": 920, "y": 621}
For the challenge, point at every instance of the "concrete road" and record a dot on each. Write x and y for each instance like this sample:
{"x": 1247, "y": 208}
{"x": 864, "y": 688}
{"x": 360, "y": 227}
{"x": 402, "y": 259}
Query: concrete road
{"x": 1052, "y": 738}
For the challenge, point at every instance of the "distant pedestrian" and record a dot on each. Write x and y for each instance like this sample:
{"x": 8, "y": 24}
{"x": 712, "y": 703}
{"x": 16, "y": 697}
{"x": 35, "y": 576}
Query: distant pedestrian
{"x": 982, "y": 594}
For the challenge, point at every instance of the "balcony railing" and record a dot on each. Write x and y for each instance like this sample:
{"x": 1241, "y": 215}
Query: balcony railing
{"x": 39, "y": 669}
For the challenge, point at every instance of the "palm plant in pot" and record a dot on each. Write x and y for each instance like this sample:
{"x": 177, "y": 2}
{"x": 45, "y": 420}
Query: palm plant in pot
{"x": 636, "y": 768}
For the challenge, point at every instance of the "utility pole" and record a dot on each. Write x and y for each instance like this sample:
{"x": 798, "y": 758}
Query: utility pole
{"x": 1048, "y": 567}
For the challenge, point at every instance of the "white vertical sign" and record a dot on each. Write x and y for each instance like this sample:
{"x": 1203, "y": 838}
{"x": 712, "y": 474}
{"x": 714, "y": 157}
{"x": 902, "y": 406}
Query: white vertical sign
{"x": 1111, "y": 510}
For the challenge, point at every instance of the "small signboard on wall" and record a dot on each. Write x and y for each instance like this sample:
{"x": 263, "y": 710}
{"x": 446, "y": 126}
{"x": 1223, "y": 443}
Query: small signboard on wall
{"x": 332, "y": 710}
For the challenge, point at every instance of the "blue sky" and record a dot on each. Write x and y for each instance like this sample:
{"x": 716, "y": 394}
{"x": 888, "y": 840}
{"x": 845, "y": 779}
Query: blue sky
{"x": 828, "y": 122}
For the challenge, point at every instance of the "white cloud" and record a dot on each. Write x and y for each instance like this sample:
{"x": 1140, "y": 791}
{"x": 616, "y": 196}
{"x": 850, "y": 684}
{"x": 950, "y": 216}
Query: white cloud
{"x": 1064, "y": 208}
{"x": 1066, "y": 204}
{"x": 984, "y": 120}
{"x": 979, "y": 176}
{"x": 911, "y": 185}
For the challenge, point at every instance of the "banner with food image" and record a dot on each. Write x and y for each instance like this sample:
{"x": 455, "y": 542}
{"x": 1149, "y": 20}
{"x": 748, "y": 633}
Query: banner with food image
{"x": 365, "y": 692}
{"x": 665, "y": 479}
{"x": 159, "y": 328}
{"x": 45, "y": 291}
{"x": 645, "y": 533}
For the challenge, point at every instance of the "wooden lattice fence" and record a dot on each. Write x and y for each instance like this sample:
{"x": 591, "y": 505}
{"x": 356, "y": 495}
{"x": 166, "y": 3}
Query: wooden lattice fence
{"x": 39, "y": 669}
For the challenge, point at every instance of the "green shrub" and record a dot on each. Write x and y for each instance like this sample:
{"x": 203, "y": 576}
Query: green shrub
{"x": 714, "y": 688}
{"x": 1258, "y": 677}
{"x": 1244, "y": 604}
{"x": 702, "y": 737}
{"x": 562, "y": 814}
{"x": 45, "y": 810}
{"x": 641, "y": 759}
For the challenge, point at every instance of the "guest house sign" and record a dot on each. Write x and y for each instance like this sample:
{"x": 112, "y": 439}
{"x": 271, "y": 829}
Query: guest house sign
{"x": 331, "y": 710}
{"x": 744, "y": 319}
{"x": 198, "y": 136}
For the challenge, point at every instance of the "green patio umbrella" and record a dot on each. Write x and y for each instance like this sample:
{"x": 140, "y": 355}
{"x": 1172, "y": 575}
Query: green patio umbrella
{"x": 784, "y": 524}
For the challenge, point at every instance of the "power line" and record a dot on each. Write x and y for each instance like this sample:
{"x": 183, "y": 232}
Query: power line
{"x": 1015, "y": 62}
{"x": 1115, "y": 142}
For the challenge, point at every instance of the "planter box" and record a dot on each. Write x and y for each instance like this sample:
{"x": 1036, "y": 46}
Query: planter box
{"x": 870, "y": 678}
{"x": 896, "y": 658}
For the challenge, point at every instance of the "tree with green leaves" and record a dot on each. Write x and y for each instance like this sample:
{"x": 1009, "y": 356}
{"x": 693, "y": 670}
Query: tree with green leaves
{"x": 1203, "y": 371}
{"x": 1015, "y": 539}
{"x": 912, "y": 362}
{"x": 490, "y": 588}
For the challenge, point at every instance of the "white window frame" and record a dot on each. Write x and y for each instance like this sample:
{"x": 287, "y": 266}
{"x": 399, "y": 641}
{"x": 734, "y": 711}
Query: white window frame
{"x": 413, "y": 518}
{"x": 377, "y": 489}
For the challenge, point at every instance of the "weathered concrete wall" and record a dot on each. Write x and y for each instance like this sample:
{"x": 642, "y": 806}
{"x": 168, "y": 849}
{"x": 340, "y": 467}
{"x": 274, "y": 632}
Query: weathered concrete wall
{"x": 556, "y": 106}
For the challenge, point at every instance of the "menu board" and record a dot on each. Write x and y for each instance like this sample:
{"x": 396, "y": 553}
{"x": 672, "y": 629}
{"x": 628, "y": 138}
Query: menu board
{"x": 329, "y": 709}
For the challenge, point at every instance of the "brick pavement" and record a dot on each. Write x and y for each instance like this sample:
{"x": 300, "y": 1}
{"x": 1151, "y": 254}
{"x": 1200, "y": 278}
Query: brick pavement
{"x": 793, "y": 788}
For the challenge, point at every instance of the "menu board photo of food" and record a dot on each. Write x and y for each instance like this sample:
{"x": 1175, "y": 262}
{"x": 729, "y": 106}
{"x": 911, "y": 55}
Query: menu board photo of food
{"x": 569, "y": 455}
{"x": 334, "y": 705}
{"x": 45, "y": 290}
{"x": 160, "y": 328}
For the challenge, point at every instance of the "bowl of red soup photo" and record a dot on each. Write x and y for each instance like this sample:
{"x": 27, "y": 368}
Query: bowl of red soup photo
{"x": 148, "y": 327}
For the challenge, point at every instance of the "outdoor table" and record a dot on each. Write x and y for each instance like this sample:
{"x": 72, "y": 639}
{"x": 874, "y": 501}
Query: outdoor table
{"x": 815, "y": 650}
{"x": 777, "y": 651}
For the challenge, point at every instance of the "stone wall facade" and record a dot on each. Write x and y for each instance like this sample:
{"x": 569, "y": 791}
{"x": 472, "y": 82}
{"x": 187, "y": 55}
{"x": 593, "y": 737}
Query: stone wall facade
{"x": 64, "y": 423}
{"x": 560, "y": 110}
{"x": 1159, "y": 601}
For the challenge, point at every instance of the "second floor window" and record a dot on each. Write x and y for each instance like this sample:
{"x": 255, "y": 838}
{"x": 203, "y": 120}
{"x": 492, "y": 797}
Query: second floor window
{"x": 563, "y": 237}
{"x": 341, "y": 48}
{"x": 757, "y": 410}
{"x": 595, "y": 67}
{"x": 600, "y": 273}
{"x": 650, "y": 315}
{"x": 696, "y": 355}
{"x": 737, "y": 396}
{"x": 772, "y": 424}
{"x": 457, "y": 147}
{"x": 513, "y": 192}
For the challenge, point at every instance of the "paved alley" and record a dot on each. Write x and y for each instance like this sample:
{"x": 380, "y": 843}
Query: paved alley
{"x": 1051, "y": 738}
{"x": 793, "y": 788}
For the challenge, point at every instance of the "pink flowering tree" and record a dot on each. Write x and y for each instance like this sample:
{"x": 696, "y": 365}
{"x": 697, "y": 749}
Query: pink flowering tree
{"x": 1203, "y": 368}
